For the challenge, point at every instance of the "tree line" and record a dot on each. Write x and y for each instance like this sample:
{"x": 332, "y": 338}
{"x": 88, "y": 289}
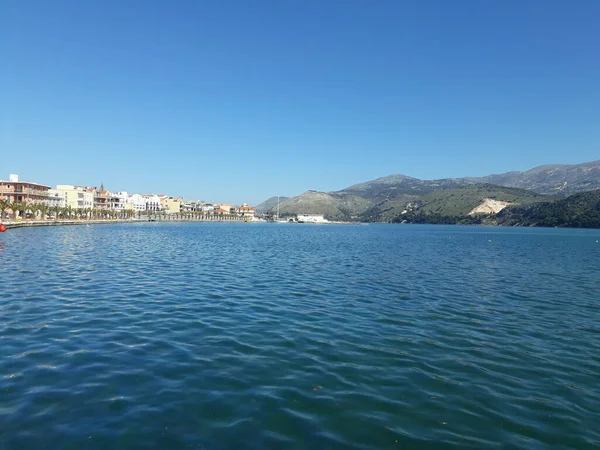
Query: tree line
{"x": 577, "y": 211}
{"x": 41, "y": 211}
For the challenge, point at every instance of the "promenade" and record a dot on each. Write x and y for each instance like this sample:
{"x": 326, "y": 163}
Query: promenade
{"x": 50, "y": 223}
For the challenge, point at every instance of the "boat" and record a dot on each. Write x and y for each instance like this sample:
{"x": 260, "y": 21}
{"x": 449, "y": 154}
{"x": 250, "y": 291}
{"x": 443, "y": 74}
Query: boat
{"x": 277, "y": 218}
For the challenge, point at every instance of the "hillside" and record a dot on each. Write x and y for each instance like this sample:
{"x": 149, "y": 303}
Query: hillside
{"x": 462, "y": 201}
{"x": 375, "y": 200}
{"x": 577, "y": 211}
{"x": 334, "y": 206}
{"x": 269, "y": 204}
{"x": 558, "y": 179}
{"x": 385, "y": 198}
{"x": 456, "y": 205}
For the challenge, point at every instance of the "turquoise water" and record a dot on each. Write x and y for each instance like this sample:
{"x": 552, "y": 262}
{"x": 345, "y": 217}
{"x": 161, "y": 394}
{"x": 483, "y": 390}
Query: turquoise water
{"x": 218, "y": 336}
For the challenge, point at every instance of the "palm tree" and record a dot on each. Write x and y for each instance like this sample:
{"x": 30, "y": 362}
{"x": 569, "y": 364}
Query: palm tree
{"x": 4, "y": 205}
{"x": 54, "y": 210}
{"x": 33, "y": 209}
{"x": 16, "y": 208}
{"x": 25, "y": 209}
{"x": 43, "y": 209}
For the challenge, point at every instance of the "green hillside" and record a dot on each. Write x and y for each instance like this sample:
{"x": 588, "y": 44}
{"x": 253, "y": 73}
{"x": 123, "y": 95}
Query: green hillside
{"x": 577, "y": 211}
{"x": 461, "y": 201}
{"x": 385, "y": 198}
{"x": 334, "y": 206}
{"x": 454, "y": 205}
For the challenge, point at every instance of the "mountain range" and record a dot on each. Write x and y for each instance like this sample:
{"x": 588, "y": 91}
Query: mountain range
{"x": 386, "y": 198}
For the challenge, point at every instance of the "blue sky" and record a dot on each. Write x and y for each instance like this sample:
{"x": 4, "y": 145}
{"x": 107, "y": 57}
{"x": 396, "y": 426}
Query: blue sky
{"x": 240, "y": 100}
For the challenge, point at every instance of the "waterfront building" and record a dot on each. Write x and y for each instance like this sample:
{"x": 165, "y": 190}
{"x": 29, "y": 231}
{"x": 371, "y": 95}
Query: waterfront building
{"x": 104, "y": 199}
{"x": 191, "y": 205}
{"x": 172, "y": 205}
{"x": 55, "y": 199}
{"x": 76, "y": 197}
{"x": 15, "y": 191}
{"x": 245, "y": 211}
{"x": 227, "y": 207}
{"x": 121, "y": 203}
{"x": 152, "y": 202}
{"x": 136, "y": 202}
{"x": 311, "y": 218}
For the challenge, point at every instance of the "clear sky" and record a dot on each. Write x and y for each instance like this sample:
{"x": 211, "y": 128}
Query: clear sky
{"x": 238, "y": 100}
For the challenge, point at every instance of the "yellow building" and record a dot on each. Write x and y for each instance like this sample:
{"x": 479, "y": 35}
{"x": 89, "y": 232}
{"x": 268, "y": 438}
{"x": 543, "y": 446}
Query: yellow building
{"x": 226, "y": 206}
{"x": 76, "y": 197}
{"x": 172, "y": 205}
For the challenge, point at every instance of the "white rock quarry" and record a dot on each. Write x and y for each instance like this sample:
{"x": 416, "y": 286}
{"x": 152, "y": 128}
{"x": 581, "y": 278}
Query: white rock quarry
{"x": 489, "y": 206}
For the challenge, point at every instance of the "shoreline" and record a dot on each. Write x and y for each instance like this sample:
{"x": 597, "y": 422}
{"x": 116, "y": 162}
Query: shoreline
{"x": 51, "y": 223}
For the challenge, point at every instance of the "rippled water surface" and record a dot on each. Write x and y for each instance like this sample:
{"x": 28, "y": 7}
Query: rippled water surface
{"x": 217, "y": 336}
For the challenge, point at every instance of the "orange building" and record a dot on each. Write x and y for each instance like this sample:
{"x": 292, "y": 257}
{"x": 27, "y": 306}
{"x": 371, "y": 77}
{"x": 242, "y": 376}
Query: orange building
{"x": 15, "y": 191}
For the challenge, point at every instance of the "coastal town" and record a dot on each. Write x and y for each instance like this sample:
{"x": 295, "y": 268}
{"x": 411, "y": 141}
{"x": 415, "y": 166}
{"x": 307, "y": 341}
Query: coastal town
{"x": 31, "y": 202}
{"x": 26, "y": 200}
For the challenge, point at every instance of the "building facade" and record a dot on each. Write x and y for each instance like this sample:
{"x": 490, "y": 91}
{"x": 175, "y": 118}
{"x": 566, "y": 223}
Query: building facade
{"x": 55, "y": 200}
{"x": 153, "y": 203}
{"x": 15, "y": 191}
{"x": 121, "y": 201}
{"x": 191, "y": 205}
{"x": 311, "y": 218}
{"x": 245, "y": 211}
{"x": 76, "y": 197}
{"x": 104, "y": 199}
{"x": 226, "y": 207}
{"x": 172, "y": 205}
{"x": 136, "y": 202}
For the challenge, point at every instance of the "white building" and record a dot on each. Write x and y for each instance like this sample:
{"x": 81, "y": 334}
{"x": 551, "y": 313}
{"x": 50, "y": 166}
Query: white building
{"x": 136, "y": 202}
{"x": 121, "y": 201}
{"x": 56, "y": 200}
{"x": 311, "y": 218}
{"x": 245, "y": 211}
{"x": 153, "y": 202}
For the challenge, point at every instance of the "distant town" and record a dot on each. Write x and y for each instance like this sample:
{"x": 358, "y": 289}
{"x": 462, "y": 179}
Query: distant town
{"x": 25, "y": 200}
